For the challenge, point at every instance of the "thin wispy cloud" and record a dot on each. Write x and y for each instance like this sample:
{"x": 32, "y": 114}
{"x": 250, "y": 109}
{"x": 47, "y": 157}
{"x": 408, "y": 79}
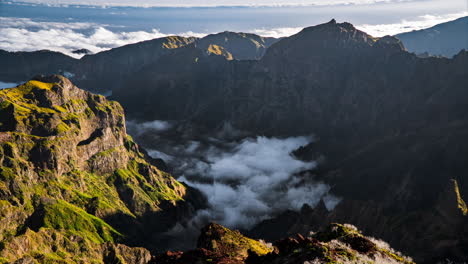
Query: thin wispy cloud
{"x": 418, "y": 23}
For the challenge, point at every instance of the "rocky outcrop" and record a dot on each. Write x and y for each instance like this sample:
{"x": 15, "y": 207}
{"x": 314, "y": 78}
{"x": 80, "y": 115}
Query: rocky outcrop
{"x": 110, "y": 69}
{"x": 21, "y": 66}
{"x": 335, "y": 243}
{"x": 69, "y": 171}
{"x": 242, "y": 46}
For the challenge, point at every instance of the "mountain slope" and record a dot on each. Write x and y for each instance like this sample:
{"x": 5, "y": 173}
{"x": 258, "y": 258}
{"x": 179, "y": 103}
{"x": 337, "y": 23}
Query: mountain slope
{"x": 21, "y": 66}
{"x": 112, "y": 67}
{"x": 390, "y": 125}
{"x": 446, "y": 39}
{"x": 68, "y": 169}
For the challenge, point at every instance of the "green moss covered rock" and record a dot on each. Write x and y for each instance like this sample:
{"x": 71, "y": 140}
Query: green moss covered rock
{"x": 66, "y": 167}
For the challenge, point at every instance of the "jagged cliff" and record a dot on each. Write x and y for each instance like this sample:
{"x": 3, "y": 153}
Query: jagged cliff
{"x": 69, "y": 174}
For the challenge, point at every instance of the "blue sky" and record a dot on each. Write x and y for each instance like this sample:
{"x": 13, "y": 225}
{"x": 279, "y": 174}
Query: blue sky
{"x": 65, "y": 25}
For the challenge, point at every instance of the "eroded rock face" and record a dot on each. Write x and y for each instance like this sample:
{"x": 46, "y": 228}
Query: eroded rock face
{"x": 69, "y": 172}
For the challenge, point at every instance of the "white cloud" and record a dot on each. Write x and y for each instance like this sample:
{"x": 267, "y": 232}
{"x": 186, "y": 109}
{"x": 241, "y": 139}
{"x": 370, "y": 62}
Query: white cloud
{"x": 206, "y": 3}
{"x": 376, "y": 30}
{"x": 245, "y": 179}
{"x": 155, "y": 126}
{"x": 250, "y": 180}
{"x": 421, "y": 22}
{"x": 23, "y": 34}
{"x": 277, "y": 32}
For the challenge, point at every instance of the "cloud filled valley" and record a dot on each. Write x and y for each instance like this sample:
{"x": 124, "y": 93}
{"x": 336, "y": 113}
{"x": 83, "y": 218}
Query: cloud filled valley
{"x": 245, "y": 178}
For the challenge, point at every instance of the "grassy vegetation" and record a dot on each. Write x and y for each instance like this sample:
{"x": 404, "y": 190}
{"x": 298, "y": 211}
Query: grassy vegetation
{"x": 43, "y": 173}
{"x": 63, "y": 215}
{"x": 460, "y": 202}
{"x": 233, "y": 243}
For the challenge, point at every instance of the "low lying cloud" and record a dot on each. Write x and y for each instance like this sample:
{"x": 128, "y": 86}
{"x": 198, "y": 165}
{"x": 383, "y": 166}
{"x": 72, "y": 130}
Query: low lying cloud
{"x": 421, "y": 22}
{"x": 24, "y": 34}
{"x": 155, "y": 126}
{"x": 376, "y": 30}
{"x": 277, "y": 32}
{"x": 245, "y": 178}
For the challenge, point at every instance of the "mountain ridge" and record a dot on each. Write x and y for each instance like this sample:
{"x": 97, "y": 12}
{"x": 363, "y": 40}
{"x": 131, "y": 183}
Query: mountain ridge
{"x": 445, "y": 39}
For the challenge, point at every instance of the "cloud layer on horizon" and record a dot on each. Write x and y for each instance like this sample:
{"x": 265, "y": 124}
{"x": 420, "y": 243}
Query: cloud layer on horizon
{"x": 24, "y": 34}
{"x": 419, "y": 23}
{"x": 206, "y": 3}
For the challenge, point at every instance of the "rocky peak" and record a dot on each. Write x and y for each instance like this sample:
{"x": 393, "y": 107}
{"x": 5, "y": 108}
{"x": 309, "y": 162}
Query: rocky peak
{"x": 242, "y": 46}
{"x": 337, "y": 243}
{"x": 328, "y": 40}
{"x": 224, "y": 241}
{"x": 389, "y": 43}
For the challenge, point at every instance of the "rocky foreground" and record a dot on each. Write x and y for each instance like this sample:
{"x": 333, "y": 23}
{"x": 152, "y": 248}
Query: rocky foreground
{"x": 335, "y": 244}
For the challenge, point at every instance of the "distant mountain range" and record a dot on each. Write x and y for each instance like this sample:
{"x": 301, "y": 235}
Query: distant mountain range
{"x": 446, "y": 39}
{"x": 390, "y": 125}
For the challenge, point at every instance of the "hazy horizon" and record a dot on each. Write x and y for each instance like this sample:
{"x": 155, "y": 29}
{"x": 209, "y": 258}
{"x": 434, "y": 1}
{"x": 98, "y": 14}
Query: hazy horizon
{"x": 61, "y": 25}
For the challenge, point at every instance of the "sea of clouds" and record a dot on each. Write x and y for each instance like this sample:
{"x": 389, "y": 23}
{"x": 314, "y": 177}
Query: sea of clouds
{"x": 25, "y": 34}
{"x": 245, "y": 178}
